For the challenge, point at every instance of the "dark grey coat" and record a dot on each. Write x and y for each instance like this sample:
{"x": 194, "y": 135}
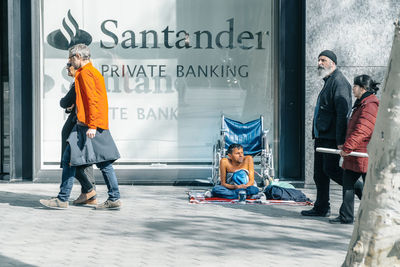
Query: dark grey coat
{"x": 90, "y": 151}
{"x": 334, "y": 108}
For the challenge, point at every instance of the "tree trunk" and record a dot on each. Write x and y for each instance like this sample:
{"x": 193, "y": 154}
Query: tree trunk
{"x": 376, "y": 234}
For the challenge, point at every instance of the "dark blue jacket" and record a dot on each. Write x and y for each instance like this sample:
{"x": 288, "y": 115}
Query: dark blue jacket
{"x": 66, "y": 102}
{"x": 334, "y": 108}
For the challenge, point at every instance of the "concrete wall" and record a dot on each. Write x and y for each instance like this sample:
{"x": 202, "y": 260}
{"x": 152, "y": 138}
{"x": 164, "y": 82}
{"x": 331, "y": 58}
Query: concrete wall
{"x": 360, "y": 32}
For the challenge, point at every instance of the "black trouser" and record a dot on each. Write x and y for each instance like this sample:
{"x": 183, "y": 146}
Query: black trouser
{"x": 84, "y": 174}
{"x": 326, "y": 167}
{"x": 347, "y": 208}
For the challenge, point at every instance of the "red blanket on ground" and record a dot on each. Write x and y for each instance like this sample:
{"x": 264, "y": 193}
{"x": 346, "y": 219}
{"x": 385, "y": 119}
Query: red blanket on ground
{"x": 198, "y": 198}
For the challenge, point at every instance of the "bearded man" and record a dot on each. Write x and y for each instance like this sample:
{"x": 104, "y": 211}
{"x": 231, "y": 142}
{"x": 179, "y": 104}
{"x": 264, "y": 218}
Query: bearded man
{"x": 329, "y": 130}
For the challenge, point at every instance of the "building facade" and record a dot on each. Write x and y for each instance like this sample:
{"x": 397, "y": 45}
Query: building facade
{"x": 360, "y": 33}
{"x": 171, "y": 69}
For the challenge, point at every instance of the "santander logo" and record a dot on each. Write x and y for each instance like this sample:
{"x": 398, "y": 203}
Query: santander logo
{"x": 69, "y": 35}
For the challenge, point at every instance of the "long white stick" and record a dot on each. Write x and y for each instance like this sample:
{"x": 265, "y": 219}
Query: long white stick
{"x": 337, "y": 151}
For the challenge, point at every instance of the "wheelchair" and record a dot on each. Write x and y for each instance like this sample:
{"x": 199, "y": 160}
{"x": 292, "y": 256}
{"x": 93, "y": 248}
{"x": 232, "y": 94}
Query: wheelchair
{"x": 255, "y": 143}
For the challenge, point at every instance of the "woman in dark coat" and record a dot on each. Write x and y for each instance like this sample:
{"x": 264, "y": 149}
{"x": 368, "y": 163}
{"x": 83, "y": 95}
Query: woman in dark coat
{"x": 359, "y": 132}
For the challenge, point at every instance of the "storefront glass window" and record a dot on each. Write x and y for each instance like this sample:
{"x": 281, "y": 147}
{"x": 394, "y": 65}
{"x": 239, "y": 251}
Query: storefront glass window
{"x": 171, "y": 69}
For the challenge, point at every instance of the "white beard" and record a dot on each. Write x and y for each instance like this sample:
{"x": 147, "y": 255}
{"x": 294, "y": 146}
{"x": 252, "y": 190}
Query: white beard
{"x": 322, "y": 72}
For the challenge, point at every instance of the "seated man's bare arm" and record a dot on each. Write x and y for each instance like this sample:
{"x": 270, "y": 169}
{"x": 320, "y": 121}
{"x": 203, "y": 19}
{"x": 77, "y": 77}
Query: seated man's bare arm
{"x": 250, "y": 167}
{"x": 223, "y": 166}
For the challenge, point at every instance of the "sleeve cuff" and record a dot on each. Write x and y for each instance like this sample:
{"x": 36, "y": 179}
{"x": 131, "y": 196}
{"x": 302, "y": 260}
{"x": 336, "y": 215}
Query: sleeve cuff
{"x": 346, "y": 150}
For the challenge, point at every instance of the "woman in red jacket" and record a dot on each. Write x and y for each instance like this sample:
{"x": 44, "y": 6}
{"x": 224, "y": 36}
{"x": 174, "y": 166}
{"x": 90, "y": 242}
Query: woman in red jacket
{"x": 359, "y": 132}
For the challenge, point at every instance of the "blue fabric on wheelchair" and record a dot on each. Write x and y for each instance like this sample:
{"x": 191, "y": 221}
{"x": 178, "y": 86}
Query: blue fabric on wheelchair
{"x": 249, "y": 135}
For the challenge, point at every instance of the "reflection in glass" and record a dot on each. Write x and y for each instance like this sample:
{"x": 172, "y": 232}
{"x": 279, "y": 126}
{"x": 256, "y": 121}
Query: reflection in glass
{"x": 171, "y": 69}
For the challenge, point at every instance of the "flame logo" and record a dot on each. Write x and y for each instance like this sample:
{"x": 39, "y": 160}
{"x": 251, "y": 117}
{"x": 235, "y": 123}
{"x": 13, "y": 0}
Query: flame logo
{"x": 69, "y": 35}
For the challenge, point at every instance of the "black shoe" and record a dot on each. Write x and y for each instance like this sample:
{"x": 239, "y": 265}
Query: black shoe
{"x": 314, "y": 212}
{"x": 338, "y": 220}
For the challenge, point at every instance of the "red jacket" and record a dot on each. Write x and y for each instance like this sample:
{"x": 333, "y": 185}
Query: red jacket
{"x": 359, "y": 132}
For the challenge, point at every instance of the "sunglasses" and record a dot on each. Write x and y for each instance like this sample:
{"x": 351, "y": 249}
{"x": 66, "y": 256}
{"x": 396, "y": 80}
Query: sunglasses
{"x": 69, "y": 65}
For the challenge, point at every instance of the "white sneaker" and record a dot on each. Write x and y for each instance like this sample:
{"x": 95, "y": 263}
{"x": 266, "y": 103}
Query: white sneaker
{"x": 110, "y": 205}
{"x": 207, "y": 194}
{"x": 263, "y": 197}
{"x": 54, "y": 203}
{"x": 260, "y": 196}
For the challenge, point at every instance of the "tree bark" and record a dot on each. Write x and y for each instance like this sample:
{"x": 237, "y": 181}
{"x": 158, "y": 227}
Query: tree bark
{"x": 376, "y": 234}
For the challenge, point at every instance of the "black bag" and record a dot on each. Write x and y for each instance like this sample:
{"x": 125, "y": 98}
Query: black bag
{"x": 281, "y": 193}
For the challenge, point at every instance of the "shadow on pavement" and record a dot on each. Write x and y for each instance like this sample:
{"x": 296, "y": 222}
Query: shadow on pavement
{"x": 21, "y": 199}
{"x": 210, "y": 234}
{"x": 6, "y": 261}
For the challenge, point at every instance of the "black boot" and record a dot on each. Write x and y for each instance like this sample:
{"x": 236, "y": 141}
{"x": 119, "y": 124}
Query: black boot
{"x": 339, "y": 219}
{"x": 316, "y": 213}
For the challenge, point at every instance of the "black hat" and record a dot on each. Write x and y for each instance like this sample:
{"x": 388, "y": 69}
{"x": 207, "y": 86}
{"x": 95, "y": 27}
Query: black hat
{"x": 330, "y": 54}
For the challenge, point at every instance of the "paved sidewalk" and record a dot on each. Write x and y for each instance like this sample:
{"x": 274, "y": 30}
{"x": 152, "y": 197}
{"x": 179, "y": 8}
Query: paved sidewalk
{"x": 158, "y": 227}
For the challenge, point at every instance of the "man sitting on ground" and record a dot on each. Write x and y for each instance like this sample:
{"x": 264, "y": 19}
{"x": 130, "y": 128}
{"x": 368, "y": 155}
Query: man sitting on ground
{"x": 236, "y": 174}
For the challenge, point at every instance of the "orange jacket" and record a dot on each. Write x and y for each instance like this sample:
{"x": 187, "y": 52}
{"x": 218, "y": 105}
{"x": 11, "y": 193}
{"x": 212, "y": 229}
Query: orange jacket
{"x": 91, "y": 97}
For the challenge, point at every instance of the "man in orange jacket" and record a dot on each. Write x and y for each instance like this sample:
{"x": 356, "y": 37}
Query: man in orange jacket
{"x": 90, "y": 141}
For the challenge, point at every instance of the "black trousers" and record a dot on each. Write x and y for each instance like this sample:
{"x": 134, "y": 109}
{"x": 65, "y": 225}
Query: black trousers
{"x": 326, "y": 167}
{"x": 84, "y": 174}
{"x": 346, "y": 211}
